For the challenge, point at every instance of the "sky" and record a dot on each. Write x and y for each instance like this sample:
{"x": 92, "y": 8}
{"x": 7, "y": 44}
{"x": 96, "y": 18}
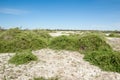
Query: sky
{"x": 60, "y": 14}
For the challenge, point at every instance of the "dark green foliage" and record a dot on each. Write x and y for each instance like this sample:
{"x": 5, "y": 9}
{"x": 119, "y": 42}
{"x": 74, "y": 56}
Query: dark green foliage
{"x": 95, "y": 48}
{"x": 92, "y": 43}
{"x": 106, "y": 60}
{"x": 13, "y": 40}
{"x": 41, "y": 78}
{"x": 23, "y": 57}
{"x": 99, "y": 53}
{"x": 64, "y": 42}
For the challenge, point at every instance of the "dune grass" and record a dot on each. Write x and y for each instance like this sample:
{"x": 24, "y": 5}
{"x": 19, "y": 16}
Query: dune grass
{"x": 99, "y": 53}
{"x": 23, "y": 57}
{"x": 64, "y": 42}
{"x": 13, "y": 40}
{"x": 92, "y": 45}
{"x": 106, "y": 60}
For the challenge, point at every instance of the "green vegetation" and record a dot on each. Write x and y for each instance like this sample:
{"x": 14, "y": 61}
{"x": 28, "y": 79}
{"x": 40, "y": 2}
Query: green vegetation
{"x": 23, "y": 57}
{"x": 99, "y": 53}
{"x": 64, "y": 42}
{"x": 106, "y": 60}
{"x": 114, "y": 35}
{"x": 41, "y": 78}
{"x": 91, "y": 44}
{"x": 13, "y": 40}
{"x": 95, "y": 48}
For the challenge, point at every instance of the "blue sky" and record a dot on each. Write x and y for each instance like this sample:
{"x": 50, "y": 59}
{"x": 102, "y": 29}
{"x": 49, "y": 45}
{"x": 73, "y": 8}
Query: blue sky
{"x": 61, "y": 14}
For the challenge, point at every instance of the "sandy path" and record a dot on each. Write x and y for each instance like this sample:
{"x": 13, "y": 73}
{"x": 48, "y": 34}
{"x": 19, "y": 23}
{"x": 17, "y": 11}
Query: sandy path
{"x": 64, "y": 64}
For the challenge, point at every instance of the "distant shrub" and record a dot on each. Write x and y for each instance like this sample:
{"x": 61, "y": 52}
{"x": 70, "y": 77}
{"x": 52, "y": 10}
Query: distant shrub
{"x": 114, "y": 35}
{"x": 43, "y": 34}
{"x": 64, "y": 42}
{"x": 23, "y": 57}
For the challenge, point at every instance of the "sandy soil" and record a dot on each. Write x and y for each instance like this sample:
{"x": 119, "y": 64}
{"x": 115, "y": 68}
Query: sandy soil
{"x": 114, "y": 43}
{"x": 58, "y": 33}
{"x": 66, "y": 65}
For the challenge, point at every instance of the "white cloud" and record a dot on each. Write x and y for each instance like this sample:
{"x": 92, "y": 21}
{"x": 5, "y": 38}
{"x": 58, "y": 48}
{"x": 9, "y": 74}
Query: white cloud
{"x": 12, "y": 11}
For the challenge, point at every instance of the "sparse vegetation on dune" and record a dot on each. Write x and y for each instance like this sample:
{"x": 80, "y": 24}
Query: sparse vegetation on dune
{"x": 64, "y": 42}
{"x": 91, "y": 44}
{"x": 106, "y": 60}
{"x": 94, "y": 47}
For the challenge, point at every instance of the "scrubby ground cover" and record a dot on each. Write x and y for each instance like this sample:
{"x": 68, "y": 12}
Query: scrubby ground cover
{"x": 94, "y": 47}
{"x": 66, "y": 65}
{"x": 92, "y": 44}
{"x": 23, "y": 57}
{"x": 13, "y": 40}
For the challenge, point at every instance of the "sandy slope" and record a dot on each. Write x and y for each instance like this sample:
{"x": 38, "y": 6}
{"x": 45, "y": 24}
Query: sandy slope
{"x": 64, "y": 64}
{"x": 114, "y": 43}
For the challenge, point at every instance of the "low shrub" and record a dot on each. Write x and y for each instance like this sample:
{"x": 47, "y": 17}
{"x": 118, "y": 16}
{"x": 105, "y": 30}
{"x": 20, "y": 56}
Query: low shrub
{"x": 23, "y": 57}
{"x": 106, "y": 60}
{"x": 17, "y": 40}
{"x": 64, "y": 42}
{"x": 92, "y": 43}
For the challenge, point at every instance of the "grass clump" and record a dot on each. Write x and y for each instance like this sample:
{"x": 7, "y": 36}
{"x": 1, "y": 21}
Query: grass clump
{"x": 92, "y": 43}
{"x": 63, "y": 42}
{"x": 99, "y": 53}
{"x": 23, "y": 57}
{"x": 42, "y": 78}
{"x": 13, "y": 40}
{"x": 106, "y": 60}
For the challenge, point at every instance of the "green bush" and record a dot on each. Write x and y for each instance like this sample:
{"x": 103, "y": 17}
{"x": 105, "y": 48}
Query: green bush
{"x": 17, "y": 40}
{"x": 64, "y": 42}
{"x": 92, "y": 43}
{"x": 106, "y": 60}
{"x": 23, "y": 57}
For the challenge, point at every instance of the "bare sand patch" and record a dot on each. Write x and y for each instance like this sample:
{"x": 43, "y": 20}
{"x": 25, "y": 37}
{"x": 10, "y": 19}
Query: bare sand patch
{"x": 114, "y": 43}
{"x": 67, "y": 65}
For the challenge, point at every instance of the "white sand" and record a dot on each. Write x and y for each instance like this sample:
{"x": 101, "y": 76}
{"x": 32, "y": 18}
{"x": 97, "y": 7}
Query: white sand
{"x": 114, "y": 43}
{"x": 67, "y": 65}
